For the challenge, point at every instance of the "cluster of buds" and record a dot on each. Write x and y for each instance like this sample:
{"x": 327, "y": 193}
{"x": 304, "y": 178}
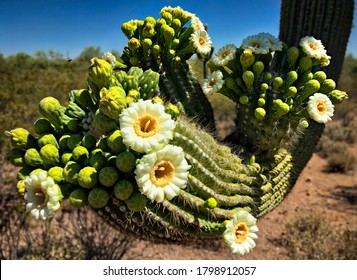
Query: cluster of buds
{"x": 275, "y": 88}
{"x": 177, "y": 35}
{"x": 121, "y": 147}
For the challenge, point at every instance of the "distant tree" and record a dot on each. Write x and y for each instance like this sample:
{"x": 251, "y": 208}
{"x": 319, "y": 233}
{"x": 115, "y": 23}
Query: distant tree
{"x": 88, "y": 53}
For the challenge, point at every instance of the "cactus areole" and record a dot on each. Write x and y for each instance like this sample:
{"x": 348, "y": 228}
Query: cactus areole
{"x": 134, "y": 144}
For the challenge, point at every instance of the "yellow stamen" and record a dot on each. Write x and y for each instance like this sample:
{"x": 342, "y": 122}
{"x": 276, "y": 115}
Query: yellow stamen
{"x": 312, "y": 46}
{"x": 201, "y": 41}
{"x": 211, "y": 82}
{"x": 162, "y": 173}
{"x": 146, "y": 126}
{"x": 241, "y": 233}
{"x": 224, "y": 54}
{"x": 321, "y": 107}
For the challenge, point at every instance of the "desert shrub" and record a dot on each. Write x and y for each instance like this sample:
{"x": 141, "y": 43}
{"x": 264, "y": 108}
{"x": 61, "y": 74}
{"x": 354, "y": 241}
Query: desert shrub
{"x": 312, "y": 236}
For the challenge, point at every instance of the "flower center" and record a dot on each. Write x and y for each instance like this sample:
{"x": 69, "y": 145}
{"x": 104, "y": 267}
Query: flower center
{"x": 162, "y": 173}
{"x": 312, "y": 46}
{"x": 224, "y": 54}
{"x": 211, "y": 82}
{"x": 146, "y": 126}
{"x": 40, "y": 197}
{"x": 321, "y": 107}
{"x": 201, "y": 41}
{"x": 241, "y": 233}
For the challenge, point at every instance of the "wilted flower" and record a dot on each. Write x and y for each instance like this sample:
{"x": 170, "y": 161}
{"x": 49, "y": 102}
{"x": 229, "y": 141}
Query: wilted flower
{"x": 240, "y": 233}
{"x": 320, "y": 108}
{"x": 109, "y": 57}
{"x": 213, "y": 83}
{"x": 145, "y": 126}
{"x": 196, "y": 23}
{"x": 42, "y": 195}
{"x": 160, "y": 175}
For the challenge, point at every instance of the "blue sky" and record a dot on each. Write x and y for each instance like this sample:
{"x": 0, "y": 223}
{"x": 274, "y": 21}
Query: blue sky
{"x": 68, "y": 26}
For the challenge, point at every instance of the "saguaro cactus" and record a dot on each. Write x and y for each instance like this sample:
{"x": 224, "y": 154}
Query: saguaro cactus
{"x": 133, "y": 144}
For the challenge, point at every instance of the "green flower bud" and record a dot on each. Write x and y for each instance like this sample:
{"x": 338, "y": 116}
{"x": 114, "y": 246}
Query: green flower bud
{"x": 98, "y": 161}
{"x": 88, "y": 177}
{"x": 280, "y": 107}
{"x": 146, "y": 43}
{"x": 293, "y": 54}
{"x": 73, "y": 141}
{"x": 100, "y": 74}
{"x": 21, "y": 138}
{"x": 21, "y": 188}
{"x": 290, "y": 78}
{"x": 327, "y": 86}
{"x": 259, "y": 113}
{"x": 129, "y": 28}
{"x": 248, "y": 78}
{"x": 32, "y": 157}
{"x": 134, "y": 94}
{"x": 230, "y": 83}
{"x": 115, "y": 142}
{"x": 267, "y": 77}
{"x": 123, "y": 189}
{"x": 130, "y": 82}
{"x": 156, "y": 49}
{"x": 172, "y": 110}
{"x": 89, "y": 141}
{"x": 168, "y": 33}
{"x": 261, "y": 102}
{"x": 23, "y": 173}
{"x": 74, "y": 125}
{"x": 167, "y": 17}
{"x": 74, "y": 111}
{"x": 305, "y": 64}
{"x": 103, "y": 145}
{"x": 108, "y": 176}
{"x": 247, "y": 58}
{"x": 176, "y": 25}
{"x": 78, "y": 197}
{"x": 126, "y": 162}
{"x": 148, "y": 30}
{"x": 56, "y": 173}
{"x": 37, "y": 170}
{"x": 62, "y": 142}
{"x": 303, "y": 123}
{"x": 320, "y": 76}
{"x": 337, "y": 96}
{"x": 277, "y": 83}
{"x": 103, "y": 124}
{"x": 150, "y": 20}
{"x": 51, "y": 109}
{"x": 112, "y": 161}
{"x": 84, "y": 98}
{"x": 134, "y": 61}
{"x": 133, "y": 44}
{"x": 66, "y": 157}
{"x": 258, "y": 68}
{"x": 211, "y": 203}
{"x": 310, "y": 88}
{"x": 80, "y": 154}
{"x": 70, "y": 172}
{"x": 16, "y": 156}
{"x": 50, "y": 154}
{"x": 136, "y": 202}
{"x": 264, "y": 87}
{"x": 42, "y": 126}
{"x": 148, "y": 82}
{"x": 291, "y": 92}
{"x": 47, "y": 139}
{"x": 244, "y": 100}
{"x": 112, "y": 101}
{"x": 98, "y": 197}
